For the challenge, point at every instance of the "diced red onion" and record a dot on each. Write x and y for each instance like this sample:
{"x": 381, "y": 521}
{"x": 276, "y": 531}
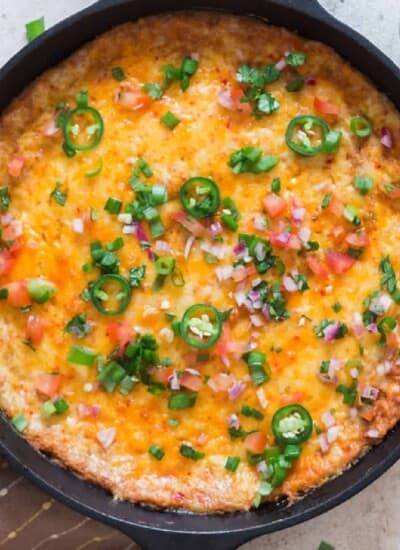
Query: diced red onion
{"x": 163, "y": 246}
{"x": 332, "y": 433}
{"x": 323, "y": 443}
{"x": 188, "y": 246}
{"x": 236, "y": 390}
{"x": 253, "y": 295}
{"x": 310, "y": 81}
{"x": 6, "y": 219}
{"x": 226, "y": 100}
{"x": 195, "y": 372}
{"x": 259, "y": 222}
{"x": 261, "y": 398}
{"x": 256, "y": 282}
{"x": 50, "y": 128}
{"x": 240, "y": 250}
{"x": 217, "y": 250}
{"x": 77, "y": 225}
{"x": 281, "y": 64}
{"x": 167, "y": 335}
{"x": 304, "y": 234}
{"x": 353, "y": 412}
{"x": 282, "y": 238}
{"x": 261, "y": 467}
{"x": 240, "y": 297}
{"x": 129, "y": 230}
{"x": 202, "y": 439}
{"x": 265, "y": 312}
{"x": 224, "y": 272}
{"x": 374, "y": 434}
{"x": 373, "y": 328}
{"x": 106, "y": 437}
{"x": 384, "y": 368}
{"x": 331, "y": 331}
{"x": 84, "y": 410}
{"x": 358, "y": 326}
{"x": 233, "y": 421}
{"x": 354, "y": 373}
{"x": 370, "y": 392}
{"x": 215, "y": 228}
{"x": 298, "y": 214}
{"x": 96, "y": 409}
{"x": 386, "y": 138}
{"x": 328, "y": 419}
{"x": 174, "y": 381}
{"x": 225, "y": 361}
{"x": 289, "y": 284}
{"x": 256, "y": 320}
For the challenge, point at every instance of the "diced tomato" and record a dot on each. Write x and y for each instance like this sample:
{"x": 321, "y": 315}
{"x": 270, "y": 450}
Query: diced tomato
{"x": 230, "y": 99}
{"x": 227, "y": 344}
{"x": 338, "y": 232}
{"x": 368, "y": 413}
{"x": 274, "y": 205}
{"x": 357, "y": 240}
{"x": 288, "y": 399}
{"x": 392, "y": 340}
{"x": 255, "y": 443}
{"x": 35, "y": 326}
{"x": 131, "y": 97}
{"x": 336, "y": 207}
{"x": 294, "y": 242}
{"x": 6, "y": 262}
{"x": 160, "y": 376}
{"x": 317, "y": 266}
{"x": 190, "y": 381}
{"x": 280, "y": 240}
{"x": 18, "y": 295}
{"x": 12, "y": 231}
{"x": 339, "y": 263}
{"x": 16, "y": 165}
{"x": 325, "y": 107}
{"x": 48, "y": 384}
{"x": 191, "y": 224}
{"x": 242, "y": 273}
{"x": 122, "y": 333}
{"x": 221, "y": 382}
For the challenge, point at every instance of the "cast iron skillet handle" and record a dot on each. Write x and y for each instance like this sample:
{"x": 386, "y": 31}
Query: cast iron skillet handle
{"x": 311, "y": 7}
{"x": 149, "y": 539}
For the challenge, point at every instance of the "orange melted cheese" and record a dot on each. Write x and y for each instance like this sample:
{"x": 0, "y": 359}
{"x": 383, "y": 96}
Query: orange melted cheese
{"x": 200, "y": 145}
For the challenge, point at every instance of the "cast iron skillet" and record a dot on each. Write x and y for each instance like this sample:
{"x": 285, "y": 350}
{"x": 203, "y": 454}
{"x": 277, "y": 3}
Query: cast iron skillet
{"x": 166, "y": 529}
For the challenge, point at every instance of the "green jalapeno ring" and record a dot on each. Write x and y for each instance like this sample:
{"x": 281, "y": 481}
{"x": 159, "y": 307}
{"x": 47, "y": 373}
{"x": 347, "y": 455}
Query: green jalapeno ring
{"x": 67, "y": 129}
{"x": 124, "y": 296}
{"x": 187, "y": 327}
{"x": 200, "y": 205}
{"x": 304, "y": 150}
{"x": 294, "y": 431}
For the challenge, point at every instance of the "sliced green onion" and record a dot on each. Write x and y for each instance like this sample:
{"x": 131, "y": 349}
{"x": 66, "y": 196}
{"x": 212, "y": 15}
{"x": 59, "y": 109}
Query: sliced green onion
{"x": 251, "y": 412}
{"x": 20, "y": 422}
{"x": 111, "y": 375}
{"x": 118, "y": 74}
{"x": 34, "y": 29}
{"x": 165, "y": 265}
{"x": 188, "y": 452}
{"x": 113, "y": 206}
{"x": 182, "y": 400}
{"x": 363, "y": 184}
{"x": 5, "y": 199}
{"x": 59, "y": 196}
{"x": 170, "y": 120}
{"x": 326, "y": 201}
{"x": 295, "y": 84}
{"x": 143, "y": 166}
{"x": 256, "y": 361}
{"x": 159, "y": 194}
{"x": 177, "y": 278}
{"x": 155, "y": 91}
{"x": 3, "y": 293}
{"x": 96, "y": 170}
{"x": 325, "y": 546}
{"x": 350, "y": 213}
{"x": 157, "y": 452}
{"x": 81, "y": 356}
{"x": 276, "y": 185}
{"x": 361, "y": 126}
{"x": 40, "y": 290}
{"x": 173, "y": 422}
{"x": 61, "y": 405}
{"x": 48, "y": 408}
{"x": 232, "y": 463}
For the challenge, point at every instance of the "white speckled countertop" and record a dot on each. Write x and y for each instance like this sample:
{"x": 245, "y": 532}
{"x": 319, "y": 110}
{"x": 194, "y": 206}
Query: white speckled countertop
{"x": 370, "y": 520}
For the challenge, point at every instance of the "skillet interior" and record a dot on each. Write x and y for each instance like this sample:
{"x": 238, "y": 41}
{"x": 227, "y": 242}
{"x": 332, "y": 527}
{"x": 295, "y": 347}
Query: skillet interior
{"x": 229, "y": 530}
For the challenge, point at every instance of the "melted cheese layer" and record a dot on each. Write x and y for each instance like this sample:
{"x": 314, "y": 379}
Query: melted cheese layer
{"x": 200, "y": 145}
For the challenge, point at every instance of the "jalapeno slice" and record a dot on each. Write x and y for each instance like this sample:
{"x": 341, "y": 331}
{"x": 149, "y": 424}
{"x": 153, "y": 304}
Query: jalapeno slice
{"x": 201, "y": 326}
{"x": 118, "y": 293}
{"x": 292, "y": 424}
{"x": 200, "y": 197}
{"x": 83, "y": 129}
{"x": 301, "y": 135}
